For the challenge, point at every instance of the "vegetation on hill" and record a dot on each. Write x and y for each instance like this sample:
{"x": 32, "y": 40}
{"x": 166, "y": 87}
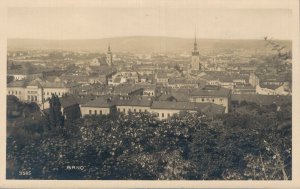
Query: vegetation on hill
{"x": 253, "y": 142}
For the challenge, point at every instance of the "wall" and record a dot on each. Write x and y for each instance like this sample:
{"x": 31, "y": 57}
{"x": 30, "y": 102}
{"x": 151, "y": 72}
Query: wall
{"x": 86, "y": 110}
{"x": 19, "y": 92}
{"x": 126, "y": 109}
{"x": 223, "y": 101}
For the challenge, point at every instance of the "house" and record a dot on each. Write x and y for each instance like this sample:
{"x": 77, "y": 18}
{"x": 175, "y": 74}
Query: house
{"x": 17, "y": 74}
{"x": 166, "y": 109}
{"x": 36, "y": 90}
{"x": 184, "y": 83}
{"x": 132, "y": 104}
{"x": 70, "y": 107}
{"x": 17, "y": 88}
{"x": 212, "y": 94}
{"x": 244, "y": 89}
{"x": 162, "y": 79}
{"x": 57, "y": 88}
{"x": 148, "y": 89}
{"x": 273, "y": 89}
{"x": 99, "y": 106}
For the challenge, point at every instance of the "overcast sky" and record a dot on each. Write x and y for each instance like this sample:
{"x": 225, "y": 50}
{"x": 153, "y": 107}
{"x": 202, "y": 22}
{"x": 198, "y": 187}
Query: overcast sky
{"x": 87, "y": 22}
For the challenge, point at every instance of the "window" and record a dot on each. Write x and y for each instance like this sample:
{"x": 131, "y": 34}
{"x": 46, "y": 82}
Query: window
{"x": 47, "y": 93}
{"x": 95, "y": 112}
{"x": 140, "y": 110}
{"x": 134, "y": 110}
{"x": 8, "y": 92}
{"x": 28, "y": 97}
{"x": 90, "y": 112}
{"x": 59, "y": 93}
{"x": 100, "y": 112}
{"x": 168, "y": 115}
{"x": 124, "y": 110}
{"x": 213, "y": 100}
{"x": 221, "y": 100}
{"x": 145, "y": 110}
{"x": 118, "y": 109}
{"x": 162, "y": 115}
{"x": 202, "y": 99}
{"x": 19, "y": 92}
{"x": 158, "y": 114}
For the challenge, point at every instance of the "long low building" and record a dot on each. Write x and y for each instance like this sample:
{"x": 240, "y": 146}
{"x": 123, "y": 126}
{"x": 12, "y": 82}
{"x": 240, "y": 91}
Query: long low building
{"x": 100, "y": 106}
{"x": 213, "y": 94}
{"x": 166, "y": 109}
{"x": 163, "y": 109}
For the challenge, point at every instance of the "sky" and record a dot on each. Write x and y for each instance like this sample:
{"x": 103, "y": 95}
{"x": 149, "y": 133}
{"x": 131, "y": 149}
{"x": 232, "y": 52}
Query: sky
{"x": 89, "y": 22}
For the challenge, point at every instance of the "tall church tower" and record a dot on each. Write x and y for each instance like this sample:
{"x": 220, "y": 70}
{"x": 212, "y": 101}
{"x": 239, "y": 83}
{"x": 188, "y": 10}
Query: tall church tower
{"x": 195, "y": 64}
{"x": 109, "y": 56}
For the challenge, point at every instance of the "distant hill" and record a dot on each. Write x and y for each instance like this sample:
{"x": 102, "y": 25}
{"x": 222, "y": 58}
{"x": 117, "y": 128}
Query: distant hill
{"x": 136, "y": 44}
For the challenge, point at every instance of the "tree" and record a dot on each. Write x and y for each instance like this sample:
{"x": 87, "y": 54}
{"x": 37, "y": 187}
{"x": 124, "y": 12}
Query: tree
{"x": 55, "y": 115}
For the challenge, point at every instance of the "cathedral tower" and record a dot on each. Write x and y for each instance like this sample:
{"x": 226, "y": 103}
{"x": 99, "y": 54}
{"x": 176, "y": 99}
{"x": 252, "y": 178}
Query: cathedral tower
{"x": 109, "y": 56}
{"x": 195, "y": 64}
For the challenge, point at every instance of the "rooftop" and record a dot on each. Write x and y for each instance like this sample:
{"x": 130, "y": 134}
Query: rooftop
{"x": 102, "y": 102}
{"x": 133, "y": 101}
{"x": 211, "y": 91}
{"x": 67, "y": 101}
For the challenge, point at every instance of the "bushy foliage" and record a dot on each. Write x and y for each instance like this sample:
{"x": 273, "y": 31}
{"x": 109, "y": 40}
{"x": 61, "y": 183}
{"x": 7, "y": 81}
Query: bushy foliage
{"x": 139, "y": 146}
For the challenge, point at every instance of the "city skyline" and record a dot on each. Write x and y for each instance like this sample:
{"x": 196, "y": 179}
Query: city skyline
{"x": 97, "y": 23}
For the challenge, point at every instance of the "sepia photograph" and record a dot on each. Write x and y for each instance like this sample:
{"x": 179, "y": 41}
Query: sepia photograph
{"x": 141, "y": 91}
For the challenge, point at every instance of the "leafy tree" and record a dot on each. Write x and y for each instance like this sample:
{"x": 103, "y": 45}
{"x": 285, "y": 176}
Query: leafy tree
{"x": 55, "y": 115}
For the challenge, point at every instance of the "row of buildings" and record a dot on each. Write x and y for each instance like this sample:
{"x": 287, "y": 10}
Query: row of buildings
{"x": 163, "y": 108}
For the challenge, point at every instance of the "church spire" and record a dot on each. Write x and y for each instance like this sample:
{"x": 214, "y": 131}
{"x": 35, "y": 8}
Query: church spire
{"x": 195, "y": 42}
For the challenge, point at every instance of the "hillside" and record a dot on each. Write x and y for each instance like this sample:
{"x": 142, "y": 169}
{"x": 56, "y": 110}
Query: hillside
{"x": 136, "y": 44}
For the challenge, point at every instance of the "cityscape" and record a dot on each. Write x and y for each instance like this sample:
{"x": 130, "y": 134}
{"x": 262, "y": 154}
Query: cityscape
{"x": 149, "y": 108}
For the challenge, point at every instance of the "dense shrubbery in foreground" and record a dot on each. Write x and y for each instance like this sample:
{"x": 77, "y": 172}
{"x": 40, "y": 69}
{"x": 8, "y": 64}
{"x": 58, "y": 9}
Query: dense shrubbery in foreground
{"x": 251, "y": 143}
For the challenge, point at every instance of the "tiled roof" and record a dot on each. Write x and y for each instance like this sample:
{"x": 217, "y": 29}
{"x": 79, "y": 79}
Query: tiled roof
{"x": 21, "y": 83}
{"x": 183, "y": 81}
{"x": 125, "y": 89}
{"x": 53, "y": 85}
{"x": 147, "y": 86}
{"x": 100, "y": 102}
{"x": 211, "y": 91}
{"x": 244, "y": 87}
{"x": 177, "y": 96}
{"x": 133, "y": 101}
{"x": 34, "y": 83}
{"x": 67, "y": 101}
{"x": 84, "y": 100}
{"x": 162, "y": 75}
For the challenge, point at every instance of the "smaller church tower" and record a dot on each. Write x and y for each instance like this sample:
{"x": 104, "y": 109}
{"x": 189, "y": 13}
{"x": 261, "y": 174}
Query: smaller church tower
{"x": 195, "y": 64}
{"x": 109, "y": 56}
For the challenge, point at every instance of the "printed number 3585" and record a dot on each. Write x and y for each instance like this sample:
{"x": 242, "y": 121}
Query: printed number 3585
{"x": 24, "y": 173}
